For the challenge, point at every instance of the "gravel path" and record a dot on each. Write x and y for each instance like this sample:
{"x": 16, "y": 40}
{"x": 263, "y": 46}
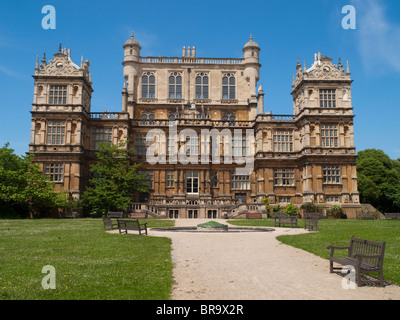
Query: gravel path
{"x": 255, "y": 266}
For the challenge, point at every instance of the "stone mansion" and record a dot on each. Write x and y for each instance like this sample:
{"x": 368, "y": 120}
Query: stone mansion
{"x": 308, "y": 156}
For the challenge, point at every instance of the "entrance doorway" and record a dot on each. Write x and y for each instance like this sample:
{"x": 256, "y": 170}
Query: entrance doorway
{"x": 212, "y": 214}
{"x": 193, "y": 214}
{"x": 173, "y": 214}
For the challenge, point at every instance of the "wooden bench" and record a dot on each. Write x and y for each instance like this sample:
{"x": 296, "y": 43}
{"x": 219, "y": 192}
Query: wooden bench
{"x": 115, "y": 214}
{"x": 284, "y": 219}
{"x": 363, "y": 255}
{"x": 109, "y": 224}
{"x": 125, "y": 225}
{"x": 311, "y": 221}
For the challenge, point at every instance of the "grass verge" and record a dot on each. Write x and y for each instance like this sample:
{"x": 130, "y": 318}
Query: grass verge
{"x": 90, "y": 264}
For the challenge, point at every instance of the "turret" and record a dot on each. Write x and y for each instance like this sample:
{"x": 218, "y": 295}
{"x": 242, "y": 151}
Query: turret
{"x": 251, "y": 53}
{"x": 131, "y": 70}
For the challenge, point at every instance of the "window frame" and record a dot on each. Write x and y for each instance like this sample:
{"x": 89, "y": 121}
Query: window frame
{"x": 283, "y": 141}
{"x": 329, "y": 135}
{"x": 99, "y": 135}
{"x": 329, "y": 177}
{"x": 170, "y": 179}
{"x": 148, "y": 86}
{"x": 229, "y": 88}
{"x": 240, "y": 182}
{"x": 54, "y": 98}
{"x": 56, "y": 131}
{"x": 213, "y": 179}
{"x": 327, "y": 98}
{"x": 175, "y": 88}
{"x": 284, "y": 177}
{"x": 191, "y": 178}
{"x": 57, "y": 176}
{"x": 202, "y": 86}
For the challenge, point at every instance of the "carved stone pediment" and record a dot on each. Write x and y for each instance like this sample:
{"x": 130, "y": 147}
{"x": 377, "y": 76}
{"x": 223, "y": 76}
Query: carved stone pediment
{"x": 322, "y": 69}
{"x": 62, "y": 65}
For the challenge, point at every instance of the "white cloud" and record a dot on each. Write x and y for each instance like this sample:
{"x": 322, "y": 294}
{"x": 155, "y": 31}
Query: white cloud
{"x": 14, "y": 74}
{"x": 378, "y": 39}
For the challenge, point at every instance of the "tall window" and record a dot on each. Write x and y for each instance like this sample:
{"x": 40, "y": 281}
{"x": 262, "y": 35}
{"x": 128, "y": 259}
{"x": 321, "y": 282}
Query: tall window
{"x": 140, "y": 144}
{"x": 331, "y": 174}
{"x": 228, "y": 86}
{"x": 202, "y": 86}
{"x": 58, "y": 95}
{"x": 100, "y": 135}
{"x": 148, "y": 177}
{"x": 239, "y": 146}
{"x": 171, "y": 145}
{"x": 175, "y": 86}
{"x": 192, "y": 146}
{"x": 192, "y": 182}
{"x": 327, "y": 98}
{"x": 56, "y": 132}
{"x": 170, "y": 179}
{"x": 214, "y": 179}
{"x": 329, "y": 135}
{"x": 240, "y": 182}
{"x": 55, "y": 171}
{"x": 148, "y": 85}
{"x": 284, "y": 177}
{"x": 283, "y": 141}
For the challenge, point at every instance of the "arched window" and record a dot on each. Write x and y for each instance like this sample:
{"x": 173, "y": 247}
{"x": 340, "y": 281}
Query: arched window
{"x": 202, "y": 86}
{"x": 175, "y": 86}
{"x": 228, "y": 87}
{"x": 148, "y": 85}
{"x": 229, "y": 117}
{"x": 147, "y": 118}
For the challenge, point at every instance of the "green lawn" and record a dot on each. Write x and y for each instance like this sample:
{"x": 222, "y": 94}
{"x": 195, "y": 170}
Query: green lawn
{"x": 90, "y": 264}
{"x": 338, "y": 232}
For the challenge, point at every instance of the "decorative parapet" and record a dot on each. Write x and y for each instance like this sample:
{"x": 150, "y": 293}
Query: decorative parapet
{"x": 191, "y": 60}
{"x": 193, "y": 122}
{"x": 275, "y": 117}
{"x": 109, "y": 115}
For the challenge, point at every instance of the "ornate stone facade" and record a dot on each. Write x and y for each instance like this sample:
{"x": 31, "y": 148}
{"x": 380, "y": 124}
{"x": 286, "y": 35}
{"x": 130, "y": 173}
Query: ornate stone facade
{"x": 307, "y": 156}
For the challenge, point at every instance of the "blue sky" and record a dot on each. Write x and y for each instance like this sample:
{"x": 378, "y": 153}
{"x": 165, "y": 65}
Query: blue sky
{"x": 285, "y": 30}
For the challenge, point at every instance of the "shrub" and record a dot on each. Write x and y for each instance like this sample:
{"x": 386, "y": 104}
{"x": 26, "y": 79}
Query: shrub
{"x": 291, "y": 210}
{"x": 335, "y": 212}
{"x": 277, "y": 209}
{"x": 267, "y": 206}
{"x": 311, "y": 207}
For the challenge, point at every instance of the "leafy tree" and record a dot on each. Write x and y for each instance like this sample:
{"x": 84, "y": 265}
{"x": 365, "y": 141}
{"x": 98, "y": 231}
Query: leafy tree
{"x": 379, "y": 180}
{"x": 114, "y": 179}
{"x": 24, "y": 189}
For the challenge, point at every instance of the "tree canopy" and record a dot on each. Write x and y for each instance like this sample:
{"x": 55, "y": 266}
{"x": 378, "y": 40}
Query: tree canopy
{"x": 114, "y": 178}
{"x": 24, "y": 189}
{"x": 379, "y": 180}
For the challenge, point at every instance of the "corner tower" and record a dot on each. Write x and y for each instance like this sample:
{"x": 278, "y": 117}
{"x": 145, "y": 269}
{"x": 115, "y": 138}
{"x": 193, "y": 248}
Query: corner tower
{"x": 60, "y": 115}
{"x": 131, "y": 65}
